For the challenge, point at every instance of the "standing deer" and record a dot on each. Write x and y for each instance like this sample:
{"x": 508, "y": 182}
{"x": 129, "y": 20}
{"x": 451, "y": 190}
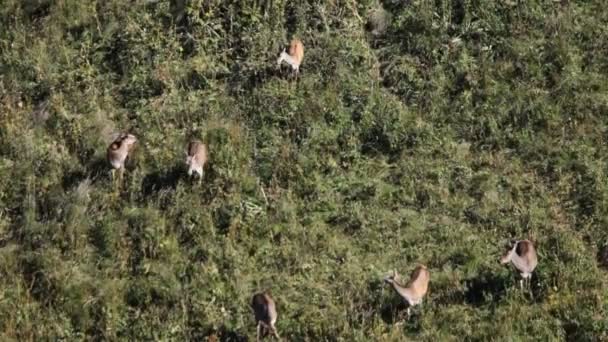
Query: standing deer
{"x": 523, "y": 256}
{"x": 265, "y": 313}
{"x": 415, "y": 289}
{"x": 294, "y": 57}
{"x": 118, "y": 151}
{"x": 196, "y": 158}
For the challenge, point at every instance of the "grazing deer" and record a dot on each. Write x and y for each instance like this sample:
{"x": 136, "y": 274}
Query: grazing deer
{"x": 265, "y": 313}
{"x": 523, "y": 256}
{"x": 196, "y": 158}
{"x": 294, "y": 57}
{"x": 415, "y": 289}
{"x": 118, "y": 151}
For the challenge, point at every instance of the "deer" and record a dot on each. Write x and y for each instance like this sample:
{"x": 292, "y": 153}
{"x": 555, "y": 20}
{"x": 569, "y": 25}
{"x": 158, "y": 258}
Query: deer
{"x": 196, "y": 158}
{"x": 265, "y": 312}
{"x": 294, "y": 56}
{"x": 118, "y": 151}
{"x": 523, "y": 256}
{"x": 415, "y": 289}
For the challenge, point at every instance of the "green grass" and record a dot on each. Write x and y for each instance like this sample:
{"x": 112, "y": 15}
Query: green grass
{"x": 417, "y": 132}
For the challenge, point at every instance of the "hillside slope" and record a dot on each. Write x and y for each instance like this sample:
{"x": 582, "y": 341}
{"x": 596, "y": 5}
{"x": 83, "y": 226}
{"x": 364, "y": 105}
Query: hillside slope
{"x": 417, "y": 132}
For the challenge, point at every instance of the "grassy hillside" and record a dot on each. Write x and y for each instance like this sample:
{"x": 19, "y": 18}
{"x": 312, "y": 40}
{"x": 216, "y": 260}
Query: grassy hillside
{"x": 417, "y": 132}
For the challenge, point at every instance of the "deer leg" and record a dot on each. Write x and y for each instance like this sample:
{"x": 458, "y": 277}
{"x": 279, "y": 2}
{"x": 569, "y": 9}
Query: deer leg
{"x": 116, "y": 180}
{"x": 266, "y": 6}
{"x": 400, "y": 319}
{"x": 521, "y": 284}
{"x": 258, "y": 331}
{"x": 275, "y": 333}
{"x": 265, "y": 329}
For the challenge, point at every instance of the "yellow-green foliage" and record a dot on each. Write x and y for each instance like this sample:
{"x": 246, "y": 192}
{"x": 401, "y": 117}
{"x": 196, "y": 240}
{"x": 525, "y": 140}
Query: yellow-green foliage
{"x": 417, "y": 132}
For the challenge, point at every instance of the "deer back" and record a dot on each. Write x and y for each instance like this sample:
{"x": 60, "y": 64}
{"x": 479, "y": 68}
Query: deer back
{"x": 296, "y": 50}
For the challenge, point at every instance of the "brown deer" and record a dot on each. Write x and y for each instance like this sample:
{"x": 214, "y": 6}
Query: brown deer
{"x": 196, "y": 158}
{"x": 118, "y": 151}
{"x": 265, "y": 313}
{"x": 415, "y": 289}
{"x": 294, "y": 57}
{"x": 523, "y": 256}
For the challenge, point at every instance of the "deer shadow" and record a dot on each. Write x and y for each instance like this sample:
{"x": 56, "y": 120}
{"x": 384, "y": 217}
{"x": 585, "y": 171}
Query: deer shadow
{"x": 97, "y": 169}
{"x": 225, "y": 334}
{"x": 162, "y": 180}
{"x": 248, "y": 80}
{"x": 486, "y": 288}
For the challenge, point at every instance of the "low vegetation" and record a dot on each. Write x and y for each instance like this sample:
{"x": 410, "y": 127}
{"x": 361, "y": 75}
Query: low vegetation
{"x": 417, "y": 132}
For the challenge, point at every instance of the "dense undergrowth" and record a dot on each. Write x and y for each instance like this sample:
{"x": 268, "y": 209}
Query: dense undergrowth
{"x": 417, "y": 132}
